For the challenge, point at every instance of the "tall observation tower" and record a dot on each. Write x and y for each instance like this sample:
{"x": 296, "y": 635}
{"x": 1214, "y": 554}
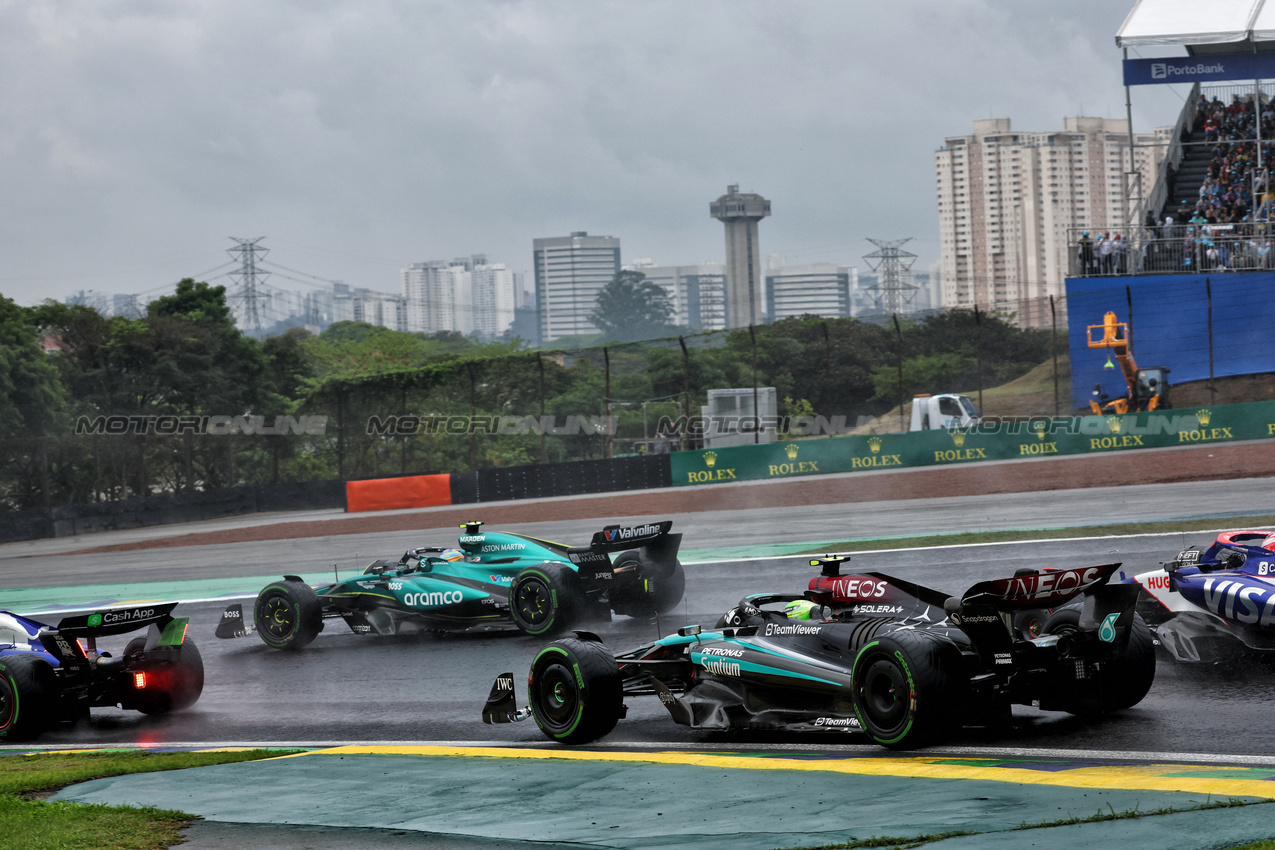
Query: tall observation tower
{"x": 744, "y": 280}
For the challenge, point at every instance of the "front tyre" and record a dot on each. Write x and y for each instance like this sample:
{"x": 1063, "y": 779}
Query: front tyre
{"x": 28, "y": 693}
{"x": 288, "y": 614}
{"x": 575, "y": 689}
{"x": 906, "y": 689}
{"x": 545, "y": 598}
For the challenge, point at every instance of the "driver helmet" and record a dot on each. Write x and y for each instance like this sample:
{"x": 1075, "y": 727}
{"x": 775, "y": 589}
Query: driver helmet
{"x": 452, "y": 555}
{"x": 799, "y": 609}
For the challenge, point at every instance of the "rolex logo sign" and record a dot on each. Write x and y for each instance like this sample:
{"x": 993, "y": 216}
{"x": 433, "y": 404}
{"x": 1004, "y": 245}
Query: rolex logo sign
{"x": 1204, "y": 415}
{"x": 958, "y": 437}
{"x": 791, "y": 450}
{"x": 710, "y": 459}
{"x": 1114, "y": 423}
{"x": 874, "y": 443}
{"x": 1040, "y": 430}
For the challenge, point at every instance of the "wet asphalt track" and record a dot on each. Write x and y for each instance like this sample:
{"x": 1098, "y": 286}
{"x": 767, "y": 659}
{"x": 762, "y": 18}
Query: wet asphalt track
{"x": 346, "y": 688}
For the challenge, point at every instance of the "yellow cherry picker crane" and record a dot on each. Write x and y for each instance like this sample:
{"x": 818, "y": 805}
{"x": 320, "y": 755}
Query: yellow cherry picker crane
{"x": 1145, "y": 389}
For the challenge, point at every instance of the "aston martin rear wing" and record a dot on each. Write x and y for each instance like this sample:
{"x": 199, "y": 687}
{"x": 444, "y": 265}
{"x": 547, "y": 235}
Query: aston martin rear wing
{"x": 655, "y": 545}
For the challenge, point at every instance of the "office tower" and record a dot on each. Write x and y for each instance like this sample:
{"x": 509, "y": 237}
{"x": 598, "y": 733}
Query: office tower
{"x": 745, "y": 298}
{"x": 698, "y": 293}
{"x": 818, "y": 289}
{"x": 569, "y": 272}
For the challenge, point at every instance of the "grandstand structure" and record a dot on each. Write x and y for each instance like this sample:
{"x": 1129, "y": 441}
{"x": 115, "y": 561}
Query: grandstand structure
{"x": 1197, "y": 280}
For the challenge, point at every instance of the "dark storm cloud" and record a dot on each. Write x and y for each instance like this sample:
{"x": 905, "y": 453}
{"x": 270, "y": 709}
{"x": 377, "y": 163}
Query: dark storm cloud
{"x": 362, "y": 136}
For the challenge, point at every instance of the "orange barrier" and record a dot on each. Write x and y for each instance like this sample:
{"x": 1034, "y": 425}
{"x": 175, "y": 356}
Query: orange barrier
{"x": 383, "y": 494}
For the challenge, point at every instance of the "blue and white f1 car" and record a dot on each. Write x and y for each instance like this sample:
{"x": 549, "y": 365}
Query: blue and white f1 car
{"x": 1201, "y": 603}
{"x": 52, "y": 674}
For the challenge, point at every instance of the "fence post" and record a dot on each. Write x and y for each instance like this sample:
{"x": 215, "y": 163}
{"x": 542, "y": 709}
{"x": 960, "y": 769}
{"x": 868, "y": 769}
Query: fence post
{"x": 541, "y": 363}
{"x": 756, "y": 412}
{"x": 606, "y": 404}
{"x": 686, "y": 394}
{"x": 899, "y": 333}
{"x": 1053, "y": 349}
{"x": 978, "y": 348}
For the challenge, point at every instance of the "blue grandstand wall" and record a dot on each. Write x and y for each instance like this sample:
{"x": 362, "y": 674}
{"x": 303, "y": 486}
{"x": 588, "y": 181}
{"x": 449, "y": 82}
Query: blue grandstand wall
{"x": 1169, "y": 325}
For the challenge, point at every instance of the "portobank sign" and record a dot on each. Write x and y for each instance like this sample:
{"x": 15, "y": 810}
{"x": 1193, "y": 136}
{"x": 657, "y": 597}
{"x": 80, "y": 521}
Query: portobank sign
{"x": 1191, "y": 69}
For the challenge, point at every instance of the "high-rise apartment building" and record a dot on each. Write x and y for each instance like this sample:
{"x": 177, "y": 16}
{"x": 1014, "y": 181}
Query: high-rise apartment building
{"x": 1007, "y": 201}
{"x": 745, "y": 295}
{"x": 698, "y": 293}
{"x": 430, "y": 304}
{"x": 467, "y": 295}
{"x": 818, "y": 289}
{"x": 569, "y": 272}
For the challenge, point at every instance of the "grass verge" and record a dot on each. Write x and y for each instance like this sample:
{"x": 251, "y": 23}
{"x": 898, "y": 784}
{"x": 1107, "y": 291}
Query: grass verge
{"x": 27, "y": 822}
{"x": 960, "y": 538}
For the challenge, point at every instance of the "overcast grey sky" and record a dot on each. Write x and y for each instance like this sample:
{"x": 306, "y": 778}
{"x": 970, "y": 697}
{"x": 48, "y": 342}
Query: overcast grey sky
{"x": 360, "y": 136}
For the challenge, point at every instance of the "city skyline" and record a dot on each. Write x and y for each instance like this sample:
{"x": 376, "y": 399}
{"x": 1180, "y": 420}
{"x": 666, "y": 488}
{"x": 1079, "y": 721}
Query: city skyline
{"x": 138, "y": 137}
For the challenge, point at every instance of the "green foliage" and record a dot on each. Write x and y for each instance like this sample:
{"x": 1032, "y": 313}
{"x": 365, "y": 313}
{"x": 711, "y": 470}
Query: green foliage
{"x": 186, "y": 358}
{"x": 926, "y": 373}
{"x": 630, "y": 307}
{"x": 26, "y": 823}
{"x": 31, "y": 398}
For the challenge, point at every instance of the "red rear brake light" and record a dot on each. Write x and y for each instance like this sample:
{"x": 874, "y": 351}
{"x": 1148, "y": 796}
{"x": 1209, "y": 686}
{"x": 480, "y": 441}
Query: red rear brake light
{"x": 139, "y": 680}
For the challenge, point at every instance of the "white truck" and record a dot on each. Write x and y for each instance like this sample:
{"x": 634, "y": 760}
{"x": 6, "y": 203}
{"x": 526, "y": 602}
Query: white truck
{"x": 943, "y": 411}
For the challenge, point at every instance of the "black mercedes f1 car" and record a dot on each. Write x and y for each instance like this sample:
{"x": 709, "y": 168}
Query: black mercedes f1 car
{"x": 871, "y": 653}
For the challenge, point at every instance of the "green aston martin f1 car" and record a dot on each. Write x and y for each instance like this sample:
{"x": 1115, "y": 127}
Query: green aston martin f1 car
{"x": 491, "y": 578}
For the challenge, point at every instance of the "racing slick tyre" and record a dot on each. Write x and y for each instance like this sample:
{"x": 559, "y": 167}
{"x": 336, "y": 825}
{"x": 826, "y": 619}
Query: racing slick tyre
{"x": 172, "y": 683}
{"x": 1122, "y": 680}
{"x": 28, "y": 690}
{"x": 906, "y": 689}
{"x": 288, "y": 614}
{"x": 545, "y": 598}
{"x": 576, "y": 694}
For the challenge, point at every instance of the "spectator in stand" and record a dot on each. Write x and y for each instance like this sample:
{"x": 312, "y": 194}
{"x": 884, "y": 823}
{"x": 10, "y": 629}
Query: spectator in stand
{"x": 1120, "y": 252}
{"x": 1105, "y": 250}
{"x": 1086, "y": 254}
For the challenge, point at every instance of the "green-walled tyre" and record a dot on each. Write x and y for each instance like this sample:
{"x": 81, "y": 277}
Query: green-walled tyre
{"x": 28, "y": 689}
{"x": 906, "y": 689}
{"x": 545, "y": 599}
{"x": 288, "y": 614}
{"x": 576, "y": 693}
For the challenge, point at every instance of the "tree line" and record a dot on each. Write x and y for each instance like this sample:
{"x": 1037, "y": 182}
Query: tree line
{"x": 68, "y": 372}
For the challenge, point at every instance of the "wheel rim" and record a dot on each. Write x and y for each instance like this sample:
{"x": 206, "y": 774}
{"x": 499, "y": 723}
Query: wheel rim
{"x": 279, "y": 618}
{"x": 883, "y": 693}
{"x": 557, "y": 699}
{"x": 533, "y": 601}
{"x": 7, "y": 704}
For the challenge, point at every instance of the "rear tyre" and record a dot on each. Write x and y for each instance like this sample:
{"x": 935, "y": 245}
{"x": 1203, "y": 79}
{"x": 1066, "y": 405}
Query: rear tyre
{"x": 28, "y": 695}
{"x": 174, "y": 677}
{"x": 576, "y": 694}
{"x": 664, "y": 593}
{"x": 1124, "y": 679}
{"x": 545, "y": 598}
{"x": 288, "y": 614}
{"x": 906, "y": 689}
